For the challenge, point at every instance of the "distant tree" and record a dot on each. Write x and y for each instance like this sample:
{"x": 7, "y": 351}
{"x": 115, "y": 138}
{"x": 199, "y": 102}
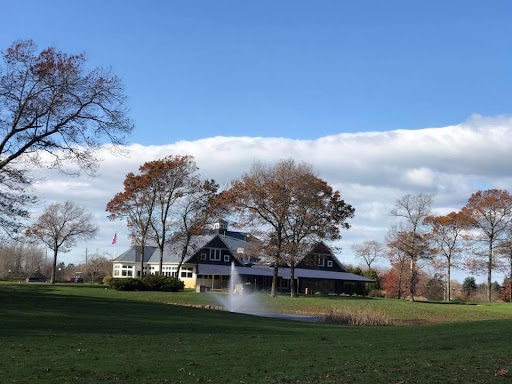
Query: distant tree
{"x": 446, "y": 237}
{"x": 53, "y": 111}
{"x": 490, "y": 212}
{"x": 469, "y": 286}
{"x": 505, "y": 250}
{"x": 98, "y": 266}
{"x": 412, "y": 247}
{"x": 412, "y": 210}
{"x": 394, "y": 279}
{"x": 61, "y": 226}
{"x": 434, "y": 289}
{"x": 369, "y": 251}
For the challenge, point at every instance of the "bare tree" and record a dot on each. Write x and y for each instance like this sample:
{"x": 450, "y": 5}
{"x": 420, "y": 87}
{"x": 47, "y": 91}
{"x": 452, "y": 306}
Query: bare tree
{"x": 412, "y": 210}
{"x": 53, "y": 111}
{"x": 369, "y": 251}
{"x": 446, "y": 236}
{"x": 490, "y": 212}
{"x": 61, "y": 226}
{"x": 98, "y": 266}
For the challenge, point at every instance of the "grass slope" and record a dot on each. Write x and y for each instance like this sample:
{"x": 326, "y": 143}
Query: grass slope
{"x": 88, "y": 335}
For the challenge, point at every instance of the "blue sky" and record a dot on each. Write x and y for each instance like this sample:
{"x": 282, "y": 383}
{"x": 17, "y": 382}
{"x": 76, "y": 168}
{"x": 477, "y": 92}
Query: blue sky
{"x": 295, "y": 69}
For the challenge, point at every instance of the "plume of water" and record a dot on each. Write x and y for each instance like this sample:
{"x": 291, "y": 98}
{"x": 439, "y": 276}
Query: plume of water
{"x": 238, "y": 299}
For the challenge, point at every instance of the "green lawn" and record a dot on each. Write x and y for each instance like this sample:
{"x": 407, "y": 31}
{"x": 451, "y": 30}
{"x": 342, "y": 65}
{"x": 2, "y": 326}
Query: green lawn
{"x": 80, "y": 334}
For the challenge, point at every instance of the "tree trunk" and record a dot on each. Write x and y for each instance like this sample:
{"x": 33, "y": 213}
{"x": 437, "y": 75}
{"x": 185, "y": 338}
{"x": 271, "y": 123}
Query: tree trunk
{"x": 400, "y": 282}
{"x": 448, "y": 296}
{"x": 160, "y": 264}
{"x": 142, "y": 261}
{"x": 489, "y": 272}
{"x": 54, "y": 266}
{"x": 412, "y": 287}
{"x": 273, "y": 290}
{"x": 293, "y": 289}
{"x": 510, "y": 281}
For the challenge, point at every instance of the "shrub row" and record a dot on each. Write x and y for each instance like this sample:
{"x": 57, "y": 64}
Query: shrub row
{"x": 148, "y": 283}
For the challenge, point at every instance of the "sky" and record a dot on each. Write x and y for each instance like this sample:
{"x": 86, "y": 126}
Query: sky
{"x": 383, "y": 98}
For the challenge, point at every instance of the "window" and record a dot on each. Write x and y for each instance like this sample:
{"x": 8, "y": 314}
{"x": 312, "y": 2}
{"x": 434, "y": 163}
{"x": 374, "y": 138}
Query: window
{"x": 203, "y": 256}
{"x": 329, "y": 263}
{"x": 215, "y": 254}
{"x": 226, "y": 258}
{"x": 321, "y": 261}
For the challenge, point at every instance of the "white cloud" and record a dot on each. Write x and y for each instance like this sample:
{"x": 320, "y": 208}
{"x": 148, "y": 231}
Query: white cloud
{"x": 371, "y": 170}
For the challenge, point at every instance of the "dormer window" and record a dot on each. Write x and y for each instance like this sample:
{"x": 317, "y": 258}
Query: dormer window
{"x": 226, "y": 258}
{"x": 329, "y": 263}
{"x": 215, "y": 254}
{"x": 321, "y": 261}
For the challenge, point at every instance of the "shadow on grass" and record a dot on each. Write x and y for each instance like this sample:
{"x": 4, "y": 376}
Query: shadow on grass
{"x": 41, "y": 309}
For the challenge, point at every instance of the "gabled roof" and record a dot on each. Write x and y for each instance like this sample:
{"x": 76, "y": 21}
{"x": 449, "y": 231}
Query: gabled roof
{"x": 321, "y": 248}
{"x": 172, "y": 252}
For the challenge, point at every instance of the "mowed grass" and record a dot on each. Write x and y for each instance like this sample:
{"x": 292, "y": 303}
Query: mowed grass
{"x": 401, "y": 312}
{"x": 75, "y": 334}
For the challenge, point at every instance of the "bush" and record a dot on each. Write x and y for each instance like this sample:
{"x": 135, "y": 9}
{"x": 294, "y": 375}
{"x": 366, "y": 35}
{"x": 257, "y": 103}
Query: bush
{"x": 106, "y": 280}
{"x": 358, "y": 316}
{"x": 148, "y": 283}
{"x": 128, "y": 284}
{"x": 162, "y": 283}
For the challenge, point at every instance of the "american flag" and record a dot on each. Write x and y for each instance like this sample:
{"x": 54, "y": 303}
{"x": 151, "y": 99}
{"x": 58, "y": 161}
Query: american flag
{"x": 114, "y": 239}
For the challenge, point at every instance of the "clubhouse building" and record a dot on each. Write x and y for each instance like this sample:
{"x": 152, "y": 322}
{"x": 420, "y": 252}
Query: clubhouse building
{"x": 209, "y": 262}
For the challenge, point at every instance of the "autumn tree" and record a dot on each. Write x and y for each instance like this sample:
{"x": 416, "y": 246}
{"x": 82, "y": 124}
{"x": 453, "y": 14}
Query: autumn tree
{"x": 489, "y": 213}
{"x": 409, "y": 237}
{"x": 54, "y": 111}
{"x": 166, "y": 202}
{"x": 276, "y": 200}
{"x": 61, "y": 226}
{"x": 169, "y": 180}
{"x": 261, "y": 198}
{"x": 316, "y": 213}
{"x": 446, "y": 237}
{"x": 504, "y": 249}
{"x": 135, "y": 204}
{"x": 196, "y": 210}
{"x": 369, "y": 251}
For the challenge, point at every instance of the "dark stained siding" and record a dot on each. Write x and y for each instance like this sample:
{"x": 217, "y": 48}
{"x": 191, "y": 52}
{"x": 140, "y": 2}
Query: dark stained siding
{"x": 215, "y": 243}
{"x": 311, "y": 261}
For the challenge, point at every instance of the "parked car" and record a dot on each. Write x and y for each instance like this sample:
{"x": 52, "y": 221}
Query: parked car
{"x": 79, "y": 279}
{"x": 35, "y": 280}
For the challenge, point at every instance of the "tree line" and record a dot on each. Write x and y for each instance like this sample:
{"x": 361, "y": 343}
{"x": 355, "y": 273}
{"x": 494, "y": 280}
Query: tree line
{"x": 477, "y": 238}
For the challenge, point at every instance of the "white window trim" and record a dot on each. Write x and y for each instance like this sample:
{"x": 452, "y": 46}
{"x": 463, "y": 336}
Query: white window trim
{"x": 329, "y": 263}
{"x": 226, "y": 258}
{"x": 215, "y": 254}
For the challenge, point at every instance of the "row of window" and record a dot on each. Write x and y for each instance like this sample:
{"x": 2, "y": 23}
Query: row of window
{"x": 214, "y": 254}
{"x": 321, "y": 262}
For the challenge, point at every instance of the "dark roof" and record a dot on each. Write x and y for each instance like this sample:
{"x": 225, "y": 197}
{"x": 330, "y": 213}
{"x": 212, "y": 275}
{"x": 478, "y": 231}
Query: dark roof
{"x": 261, "y": 270}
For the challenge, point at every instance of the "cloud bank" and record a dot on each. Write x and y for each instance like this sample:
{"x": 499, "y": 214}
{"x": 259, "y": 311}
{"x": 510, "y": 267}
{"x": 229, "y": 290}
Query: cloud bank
{"x": 371, "y": 170}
